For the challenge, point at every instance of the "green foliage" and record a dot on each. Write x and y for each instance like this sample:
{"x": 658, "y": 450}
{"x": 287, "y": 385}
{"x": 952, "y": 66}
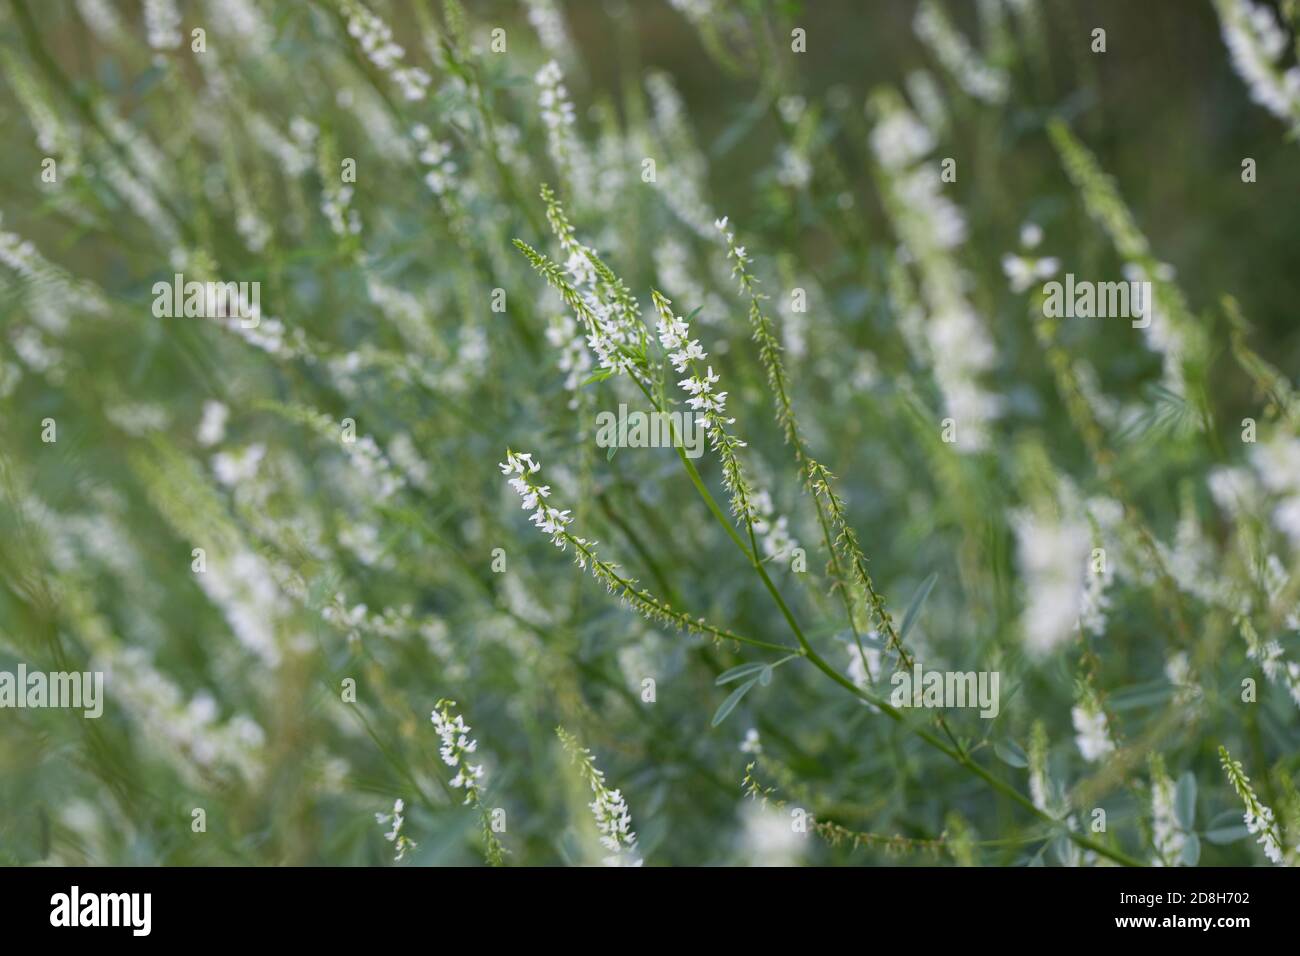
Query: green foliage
{"x": 282, "y": 534}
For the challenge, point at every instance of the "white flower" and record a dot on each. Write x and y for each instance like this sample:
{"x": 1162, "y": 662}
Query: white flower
{"x": 1256, "y": 41}
{"x": 900, "y": 139}
{"x": 954, "y": 342}
{"x": 1091, "y": 732}
{"x": 436, "y": 157}
{"x": 768, "y": 838}
{"x": 401, "y": 844}
{"x": 1258, "y": 818}
{"x": 212, "y": 427}
{"x": 163, "y": 23}
{"x": 609, "y": 809}
{"x": 235, "y": 467}
{"x": 376, "y": 41}
{"x": 1053, "y": 555}
{"x": 864, "y": 669}
{"x": 1166, "y": 832}
{"x": 774, "y": 529}
{"x": 982, "y": 81}
{"x": 548, "y": 21}
{"x": 549, "y": 520}
{"x": 559, "y": 117}
{"x": 1261, "y": 822}
{"x": 580, "y": 269}
{"x": 1025, "y": 272}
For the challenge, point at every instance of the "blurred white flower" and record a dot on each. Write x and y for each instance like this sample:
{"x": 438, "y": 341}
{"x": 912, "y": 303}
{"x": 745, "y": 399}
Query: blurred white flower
{"x": 769, "y": 838}
{"x": 1092, "y": 735}
{"x": 212, "y": 427}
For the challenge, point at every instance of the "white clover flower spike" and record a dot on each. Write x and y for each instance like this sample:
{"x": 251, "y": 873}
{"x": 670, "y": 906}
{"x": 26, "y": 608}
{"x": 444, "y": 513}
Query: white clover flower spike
{"x": 401, "y": 844}
{"x": 609, "y": 808}
{"x": 1092, "y": 733}
{"x": 549, "y": 520}
{"x": 1258, "y": 818}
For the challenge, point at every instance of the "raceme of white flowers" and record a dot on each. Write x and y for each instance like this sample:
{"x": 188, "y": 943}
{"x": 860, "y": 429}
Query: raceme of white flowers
{"x": 1092, "y": 733}
{"x": 376, "y": 39}
{"x": 394, "y": 820}
{"x": 548, "y": 520}
{"x": 1258, "y": 817}
{"x": 1257, "y": 43}
{"x": 456, "y": 746}
{"x": 163, "y": 21}
{"x": 979, "y": 79}
{"x": 956, "y": 343}
{"x": 608, "y": 808}
{"x": 315, "y": 556}
{"x": 1167, "y": 833}
{"x": 559, "y": 118}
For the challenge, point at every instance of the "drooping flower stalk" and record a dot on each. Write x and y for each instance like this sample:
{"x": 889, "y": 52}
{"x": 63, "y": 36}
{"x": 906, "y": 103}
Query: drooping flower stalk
{"x": 608, "y": 808}
{"x": 637, "y": 364}
{"x": 456, "y": 747}
{"x": 1258, "y": 817}
{"x": 553, "y": 521}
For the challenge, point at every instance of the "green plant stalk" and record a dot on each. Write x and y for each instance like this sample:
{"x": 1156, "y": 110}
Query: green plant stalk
{"x": 954, "y": 753}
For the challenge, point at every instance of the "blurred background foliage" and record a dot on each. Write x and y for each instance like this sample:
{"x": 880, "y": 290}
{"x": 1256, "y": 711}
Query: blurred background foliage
{"x": 373, "y": 561}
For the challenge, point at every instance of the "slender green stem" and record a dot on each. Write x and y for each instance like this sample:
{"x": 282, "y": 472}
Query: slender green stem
{"x": 605, "y": 571}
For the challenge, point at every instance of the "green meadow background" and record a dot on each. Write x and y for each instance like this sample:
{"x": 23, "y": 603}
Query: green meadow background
{"x": 401, "y": 565}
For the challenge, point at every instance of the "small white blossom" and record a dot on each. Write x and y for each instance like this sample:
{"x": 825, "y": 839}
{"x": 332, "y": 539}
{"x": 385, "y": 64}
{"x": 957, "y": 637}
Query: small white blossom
{"x": 163, "y": 23}
{"x": 212, "y": 427}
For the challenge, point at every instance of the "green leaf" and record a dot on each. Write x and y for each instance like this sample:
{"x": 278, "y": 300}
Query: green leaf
{"x": 1010, "y": 752}
{"x": 1226, "y": 818}
{"x": 1221, "y": 836}
{"x": 914, "y": 608}
{"x": 1185, "y": 801}
{"x": 1062, "y": 848}
{"x": 1191, "y": 850}
{"x": 732, "y": 700}
{"x": 1137, "y": 696}
{"x": 737, "y": 672}
{"x": 1225, "y": 828}
{"x": 599, "y": 376}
